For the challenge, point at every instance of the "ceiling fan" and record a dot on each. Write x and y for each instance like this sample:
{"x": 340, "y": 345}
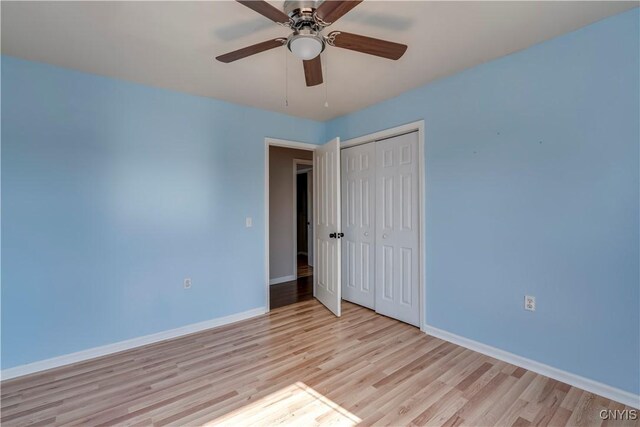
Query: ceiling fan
{"x": 307, "y": 40}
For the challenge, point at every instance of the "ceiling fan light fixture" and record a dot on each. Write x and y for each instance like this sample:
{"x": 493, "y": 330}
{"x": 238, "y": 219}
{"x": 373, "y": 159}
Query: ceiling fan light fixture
{"x": 308, "y": 19}
{"x": 305, "y": 46}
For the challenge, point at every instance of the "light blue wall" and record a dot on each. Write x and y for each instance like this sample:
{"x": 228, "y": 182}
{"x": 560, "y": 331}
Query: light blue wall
{"x": 532, "y": 188}
{"x": 112, "y": 193}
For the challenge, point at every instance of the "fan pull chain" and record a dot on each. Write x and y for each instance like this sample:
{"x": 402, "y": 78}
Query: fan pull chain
{"x": 326, "y": 82}
{"x": 286, "y": 78}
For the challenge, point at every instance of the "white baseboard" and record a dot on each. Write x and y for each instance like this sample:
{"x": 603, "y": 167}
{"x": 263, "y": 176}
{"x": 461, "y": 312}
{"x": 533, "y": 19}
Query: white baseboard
{"x": 104, "y": 350}
{"x": 591, "y": 386}
{"x": 282, "y": 279}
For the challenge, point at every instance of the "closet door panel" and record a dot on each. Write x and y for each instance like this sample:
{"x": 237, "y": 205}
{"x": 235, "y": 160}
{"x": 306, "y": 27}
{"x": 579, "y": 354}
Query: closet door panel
{"x": 397, "y": 234}
{"x": 358, "y": 224}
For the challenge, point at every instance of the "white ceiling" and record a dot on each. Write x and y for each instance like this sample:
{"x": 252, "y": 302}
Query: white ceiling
{"x": 173, "y": 45}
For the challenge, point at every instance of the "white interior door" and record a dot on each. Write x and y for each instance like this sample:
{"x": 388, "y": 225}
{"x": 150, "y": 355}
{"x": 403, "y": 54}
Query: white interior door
{"x": 397, "y": 234}
{"x": 326, "y": 167}
{"x": 358, "y": 224}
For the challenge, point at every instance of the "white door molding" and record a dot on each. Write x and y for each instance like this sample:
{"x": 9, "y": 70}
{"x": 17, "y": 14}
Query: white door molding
{"x": 417, "y": 126}
{"x": 274, "y": 142}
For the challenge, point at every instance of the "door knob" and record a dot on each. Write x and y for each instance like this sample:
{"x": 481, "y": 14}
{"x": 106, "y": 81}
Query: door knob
{"x": 366, "y": 234}
{"x": 332, "y": 235}
{"x": 384, "y": 236}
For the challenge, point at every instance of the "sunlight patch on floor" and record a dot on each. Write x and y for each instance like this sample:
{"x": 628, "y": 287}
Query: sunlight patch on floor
{"x": 297, "y": 404}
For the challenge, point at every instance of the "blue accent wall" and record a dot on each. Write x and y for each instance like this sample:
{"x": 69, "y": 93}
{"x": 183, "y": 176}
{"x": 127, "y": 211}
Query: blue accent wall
{"x": 112, "y": 194}
{"x": 533, "y": 189}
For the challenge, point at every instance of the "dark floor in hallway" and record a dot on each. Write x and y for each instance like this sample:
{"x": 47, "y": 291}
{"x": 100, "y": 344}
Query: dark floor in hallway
{"x": 291, "y": 292}
{"x": 304, "y": 269}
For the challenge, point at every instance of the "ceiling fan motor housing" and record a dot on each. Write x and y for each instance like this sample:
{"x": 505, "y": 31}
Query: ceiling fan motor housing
{"x": 301, "y": 15}
{"x": 306, "y": 39}
{"x": 291, "y": 7}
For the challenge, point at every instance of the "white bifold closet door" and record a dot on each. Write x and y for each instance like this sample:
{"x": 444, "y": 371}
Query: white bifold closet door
{"x": 397, "y": 269}
{"x": 380, "y": 220}
{"x": 358, "y": 224}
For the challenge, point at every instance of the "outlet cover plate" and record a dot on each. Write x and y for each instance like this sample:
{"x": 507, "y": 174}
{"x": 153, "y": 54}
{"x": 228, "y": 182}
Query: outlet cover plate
{"x": 529, "y": 303}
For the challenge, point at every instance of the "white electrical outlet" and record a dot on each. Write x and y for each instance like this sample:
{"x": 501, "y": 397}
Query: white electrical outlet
{"x": 529, "y": 303}
{"x": 187, "y": 283}
{"x": 248, "y": 222}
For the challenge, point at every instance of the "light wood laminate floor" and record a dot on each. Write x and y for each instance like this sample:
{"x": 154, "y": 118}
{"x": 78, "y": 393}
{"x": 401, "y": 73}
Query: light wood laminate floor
{"x": 299, "y": 365}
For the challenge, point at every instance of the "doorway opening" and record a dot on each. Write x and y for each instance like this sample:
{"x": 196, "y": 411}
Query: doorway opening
{"x": 290, "y": 225}
{"x": 399, "y": 174}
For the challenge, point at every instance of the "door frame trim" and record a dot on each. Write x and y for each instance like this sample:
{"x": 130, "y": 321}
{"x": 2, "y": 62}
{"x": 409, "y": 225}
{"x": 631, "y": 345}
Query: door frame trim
{"x": 274, "y": 142}
{"x": 297, "y": 162}
{"x": 417, "y": 126}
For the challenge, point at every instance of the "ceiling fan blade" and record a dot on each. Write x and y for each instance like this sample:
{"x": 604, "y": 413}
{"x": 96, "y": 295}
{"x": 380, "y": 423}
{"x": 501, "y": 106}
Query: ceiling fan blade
{"x": 313, "y": 71}
{"x": 332, "y": 10}
{"x": 368, "y": 45}
{"x": 250, "y": 50}
{"x": 265, "y": 9}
